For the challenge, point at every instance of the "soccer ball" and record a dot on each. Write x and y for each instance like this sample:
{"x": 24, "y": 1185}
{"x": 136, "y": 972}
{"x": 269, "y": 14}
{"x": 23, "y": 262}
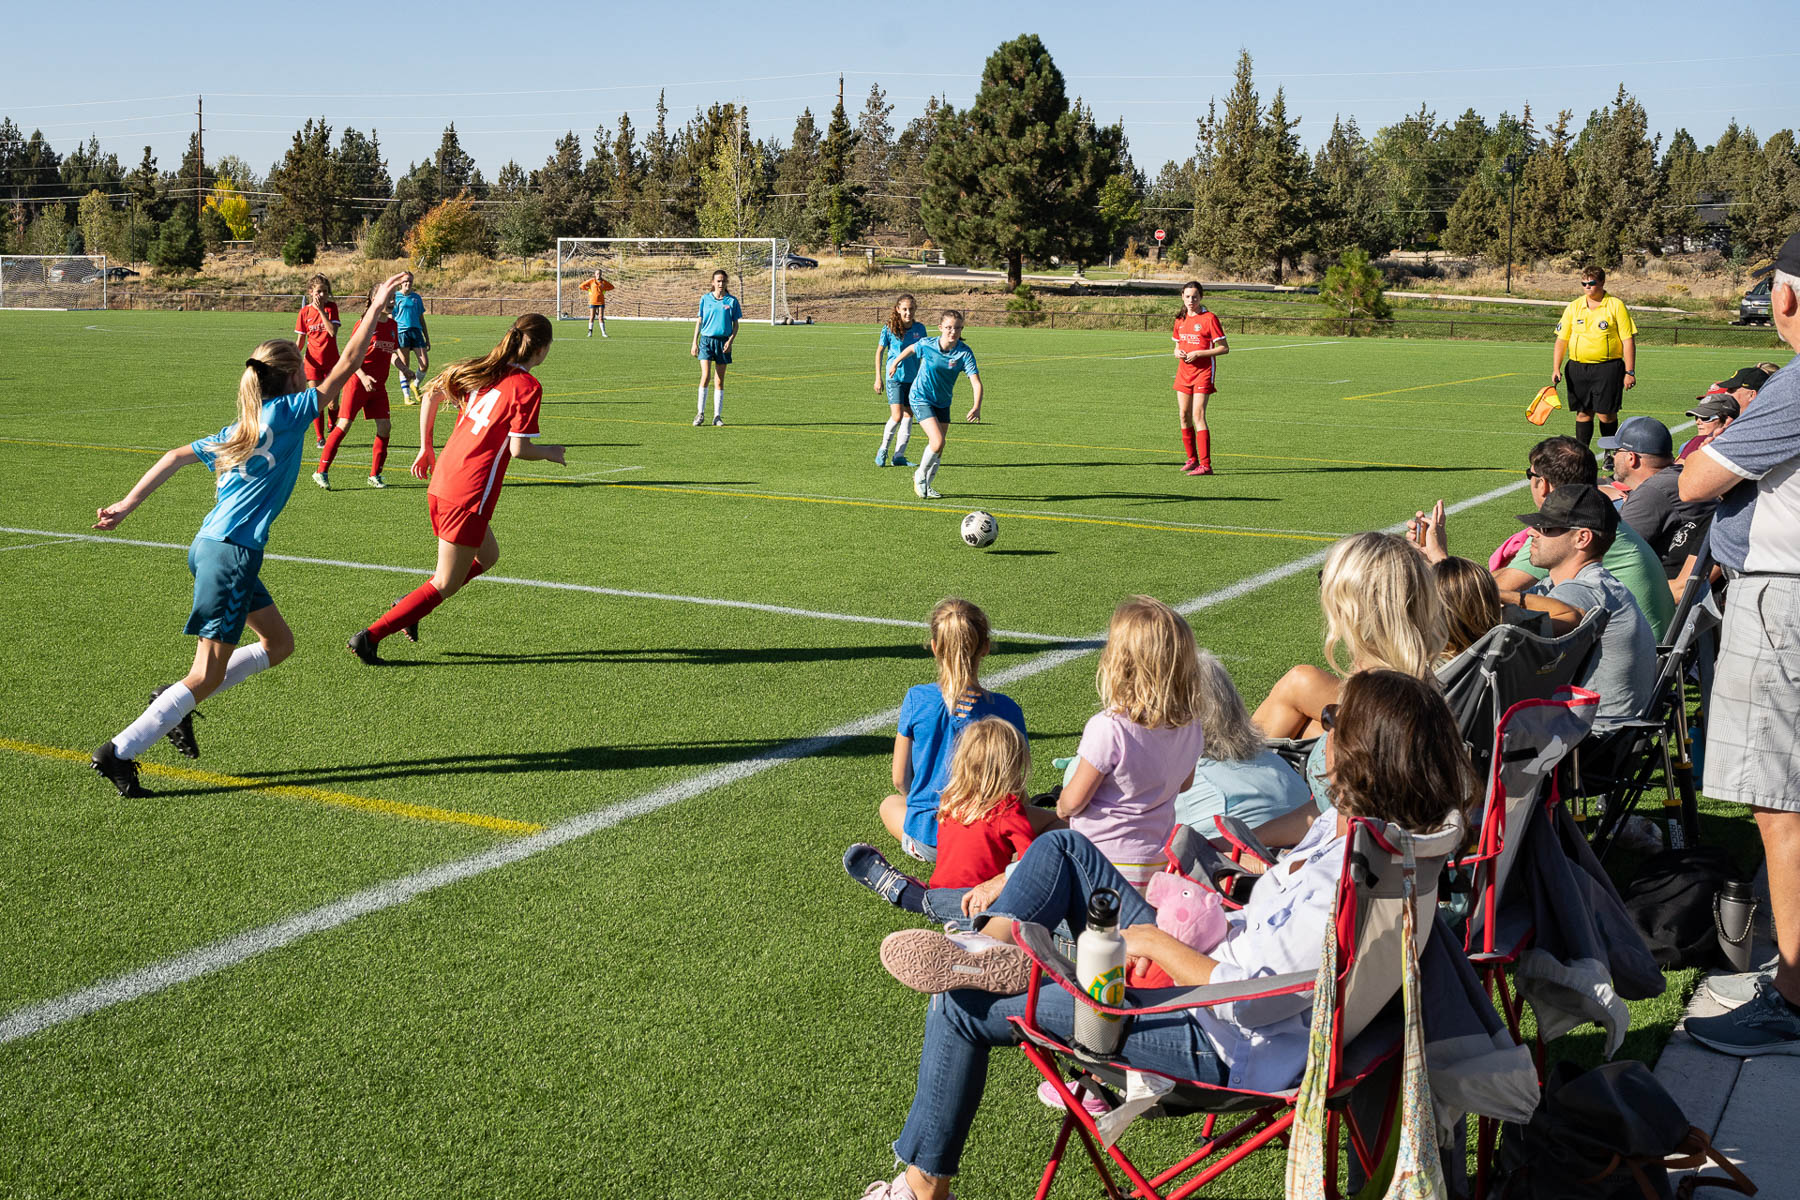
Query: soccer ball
{"x": 979, "y": 529}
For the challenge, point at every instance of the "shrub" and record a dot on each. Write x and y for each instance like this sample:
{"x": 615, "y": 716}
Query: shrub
{"x": 178, "y": 246}
{"x": 1353, "y": 288}
{"x": 451, "y": 227}
{"x": 301, "y": 247}
{"x": 214, "y": 232}
{"x": 386, "y": 235}
{"x": 1023, "y": 308}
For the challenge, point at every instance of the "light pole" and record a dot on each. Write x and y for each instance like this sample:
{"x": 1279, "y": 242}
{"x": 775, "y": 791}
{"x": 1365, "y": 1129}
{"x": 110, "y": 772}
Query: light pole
{"x": 1511, "y": 166}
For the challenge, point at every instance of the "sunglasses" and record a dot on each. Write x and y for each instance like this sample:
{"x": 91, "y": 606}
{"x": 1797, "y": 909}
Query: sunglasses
{"x": 1552, "y": 531}
{"x": 1328, "y": 717}
{"x": 1590, "y": 283}
{"x": 1531, "y": 474}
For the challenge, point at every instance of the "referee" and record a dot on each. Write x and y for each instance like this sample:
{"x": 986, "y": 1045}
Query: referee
{"x": 1600, "y": 340}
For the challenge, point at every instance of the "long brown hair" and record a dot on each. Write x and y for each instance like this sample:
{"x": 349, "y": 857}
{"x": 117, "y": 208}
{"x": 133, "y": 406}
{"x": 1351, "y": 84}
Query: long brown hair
{"x": 1396, "y": 753}
{"x": 1471, "y": 602}
{"x": 268, "y": 372}
{"x": 529, "y": 334}
{"x": 991, "y": 762}
{"x": 959, "y": 641}
{"x": 895, "y": 325}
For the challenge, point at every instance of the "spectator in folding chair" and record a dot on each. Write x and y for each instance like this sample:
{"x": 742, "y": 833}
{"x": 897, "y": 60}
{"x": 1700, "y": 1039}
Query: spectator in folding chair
{"x": 1238, "y": 774}
{"x": 1396, "y": 758}
{"x": 1471, "y": 603}
{"x": 1713, "y": 413}
{"x": 1645, "y": 475}
{"x": 1754, "y": 755}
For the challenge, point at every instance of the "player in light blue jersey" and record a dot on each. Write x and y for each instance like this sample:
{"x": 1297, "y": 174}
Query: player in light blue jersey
{"x": 941, "y": 360}
{"x": 714, "y": 331}
{"x": 900, "y": 332}
{"x": 256, "y": 460}
{"x": 409, "y": 322}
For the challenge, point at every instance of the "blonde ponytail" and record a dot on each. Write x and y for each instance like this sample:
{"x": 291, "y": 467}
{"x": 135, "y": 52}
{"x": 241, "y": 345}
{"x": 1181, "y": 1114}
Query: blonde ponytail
{"x": 268, "y": 372}
{"x": 959, "y": 641}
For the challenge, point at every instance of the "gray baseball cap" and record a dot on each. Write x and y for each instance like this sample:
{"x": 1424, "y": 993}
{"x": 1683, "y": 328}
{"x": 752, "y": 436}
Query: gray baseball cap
{"x": 1642, "y": 435}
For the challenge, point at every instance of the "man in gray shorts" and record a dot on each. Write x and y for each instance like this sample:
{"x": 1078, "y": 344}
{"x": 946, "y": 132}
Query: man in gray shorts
{"x": 1753, "y": 728}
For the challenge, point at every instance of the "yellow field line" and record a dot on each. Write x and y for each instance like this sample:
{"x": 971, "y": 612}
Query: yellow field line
{"x": 700, "y": 491}
{"x": 1423, "y": 387}
{"x": 391, "y": 808}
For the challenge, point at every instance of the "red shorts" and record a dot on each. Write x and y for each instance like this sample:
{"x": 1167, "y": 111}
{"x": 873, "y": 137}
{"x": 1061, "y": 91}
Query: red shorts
{"x": 1194, "y": 379}
{"x": 317, "y": 369}
{"x": 369, "y": 402}
{"x": 457, "y": 525}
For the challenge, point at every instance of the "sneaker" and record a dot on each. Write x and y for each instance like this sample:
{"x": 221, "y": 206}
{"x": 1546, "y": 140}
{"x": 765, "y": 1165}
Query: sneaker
{"x": 1190, "y": 466}
{"x": 364, "y": 648}
{"x": 900, "y": 460}
{"x": 1765, "y": 1024}
{"x": 700, "y": 420}
{"x": 718, "y": 420}
{"x": 411, "y": 631}
{"x": 893, "y": 1189}
{"x": 320, "y": 479}
{"x": 375, "y": 482}
{"x": 931, "y": 962}
{"x": 1093, "y": 1105}
{"x": 919, "y": 486}
{"x": 182, "y": 736}
{"x": 318, "y": 443}
{"x": 120, "y": 772}
{"x": 881, "y": 457}
{"x": 603, "y": 333}
{"x": 931, "y": 493}
{"x": 866, "y": 865}
{"x": 1204, "y": 468}
{"x": 1733, "y": 991}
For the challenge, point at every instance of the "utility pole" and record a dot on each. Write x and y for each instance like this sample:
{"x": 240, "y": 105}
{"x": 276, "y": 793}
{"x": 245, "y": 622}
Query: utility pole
{"x": 199, "y": 154}
{"x": 1512, "y": 191}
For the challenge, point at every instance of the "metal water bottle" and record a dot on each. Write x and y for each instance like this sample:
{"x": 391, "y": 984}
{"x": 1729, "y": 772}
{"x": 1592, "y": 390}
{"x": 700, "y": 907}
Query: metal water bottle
{"x": 1734, "y": 912}
{"x": 1100, "y": 969}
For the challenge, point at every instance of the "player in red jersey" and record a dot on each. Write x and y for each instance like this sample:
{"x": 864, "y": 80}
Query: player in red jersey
{"x": 366, "y": 393}
{"x": 1199, "y": 339}
{"x": 317, "y": 326}
{"x": 498, "y": 400}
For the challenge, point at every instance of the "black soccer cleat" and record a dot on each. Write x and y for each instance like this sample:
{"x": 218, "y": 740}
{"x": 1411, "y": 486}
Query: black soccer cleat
{"x": 364, "y": 648}
{"x": 411, "y": 631}
{"x": 182, "y": 736}
{"x": 122, "y": 773}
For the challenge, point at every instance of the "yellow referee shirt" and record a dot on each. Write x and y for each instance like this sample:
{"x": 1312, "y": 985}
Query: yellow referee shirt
{"x": 1595, "y": 335}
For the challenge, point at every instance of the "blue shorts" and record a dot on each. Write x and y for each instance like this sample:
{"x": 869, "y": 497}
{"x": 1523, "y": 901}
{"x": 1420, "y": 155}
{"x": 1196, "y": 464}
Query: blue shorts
{"x": 412, "y": 339}
{"x": 712, "y": 349}
{"x": 226, "y": 588}
{"x": 922, "y": 410}
{"x": 900, "y": 392}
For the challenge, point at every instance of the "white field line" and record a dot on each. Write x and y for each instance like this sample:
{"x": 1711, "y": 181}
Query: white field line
{"x": 781, "y": 610}
{"x": 35, "y": 545}
{"x": 228, "y": 952}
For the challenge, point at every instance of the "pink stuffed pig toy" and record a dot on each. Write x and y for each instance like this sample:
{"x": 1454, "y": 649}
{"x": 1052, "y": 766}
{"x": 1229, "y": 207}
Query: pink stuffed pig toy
{"x": 1189, "y": 912}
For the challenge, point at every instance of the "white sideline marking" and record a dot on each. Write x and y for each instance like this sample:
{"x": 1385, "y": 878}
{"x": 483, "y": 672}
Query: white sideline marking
{"x": 781, "y": 610}
{"x": 35, "y": 545}
{"x": 228, "y": 952}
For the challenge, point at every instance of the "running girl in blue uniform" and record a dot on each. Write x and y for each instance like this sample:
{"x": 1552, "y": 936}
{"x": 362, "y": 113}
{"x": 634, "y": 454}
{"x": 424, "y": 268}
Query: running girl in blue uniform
{"x": 900, "y": 332}
{"x": 256, "y": 460}
{"x": 941, "y": 360}
{"x": 714, "y": 330}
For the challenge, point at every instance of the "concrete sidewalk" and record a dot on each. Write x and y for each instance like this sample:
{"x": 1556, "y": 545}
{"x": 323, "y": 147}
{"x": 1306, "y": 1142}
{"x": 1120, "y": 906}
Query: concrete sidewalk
{"x": 1750, "y": 1107}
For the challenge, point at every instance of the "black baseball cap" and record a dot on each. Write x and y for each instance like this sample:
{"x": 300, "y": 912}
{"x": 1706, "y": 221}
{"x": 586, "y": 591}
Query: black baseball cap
{"x": 1641, "y": 435}
{"x": 1787, "y": 259}
{"x": 1748, "y": 377}
{"x": 1713, "y": 406}
{"x": 1576, "y": 506}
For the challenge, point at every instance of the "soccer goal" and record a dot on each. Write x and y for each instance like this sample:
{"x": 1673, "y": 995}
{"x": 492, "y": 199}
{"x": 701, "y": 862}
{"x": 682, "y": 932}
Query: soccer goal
{"x": 58, "y": 281}
{"x": 660, "y": 279}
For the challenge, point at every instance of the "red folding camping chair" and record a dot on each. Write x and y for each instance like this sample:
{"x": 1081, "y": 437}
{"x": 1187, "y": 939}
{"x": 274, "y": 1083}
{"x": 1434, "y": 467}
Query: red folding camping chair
{"x": 1370, "y": 945}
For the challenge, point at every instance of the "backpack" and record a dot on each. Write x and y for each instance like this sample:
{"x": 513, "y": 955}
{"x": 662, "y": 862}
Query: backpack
{"x": 1671, "y": 899}
{"x": 1612, "y": 1133}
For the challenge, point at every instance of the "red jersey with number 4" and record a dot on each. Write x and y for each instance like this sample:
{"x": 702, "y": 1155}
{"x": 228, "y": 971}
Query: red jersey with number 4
{"x": 320, "y": 329}
{"x": 469, "y": 472}
{"x": 1197, "y": 332}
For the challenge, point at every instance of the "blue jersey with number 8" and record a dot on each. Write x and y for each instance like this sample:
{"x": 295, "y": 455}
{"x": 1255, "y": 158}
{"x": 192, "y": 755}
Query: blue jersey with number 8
{"x": 251, "y": 494}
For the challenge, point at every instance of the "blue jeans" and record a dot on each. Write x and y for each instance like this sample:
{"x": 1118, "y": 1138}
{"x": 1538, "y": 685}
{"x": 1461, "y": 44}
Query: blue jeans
{"x": 1050, "y": 884}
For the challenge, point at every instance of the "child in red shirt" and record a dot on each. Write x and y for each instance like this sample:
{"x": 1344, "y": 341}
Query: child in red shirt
{"x": 1199, "y": 339}
{"x": 317, "y": 327}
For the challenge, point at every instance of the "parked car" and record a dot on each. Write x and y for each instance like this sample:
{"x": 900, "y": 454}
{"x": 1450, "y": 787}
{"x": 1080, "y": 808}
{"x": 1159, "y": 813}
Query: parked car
{"x": 1753, "y": 309}
{"x": 800, "y": 260}
{"x": 117, "y": 273}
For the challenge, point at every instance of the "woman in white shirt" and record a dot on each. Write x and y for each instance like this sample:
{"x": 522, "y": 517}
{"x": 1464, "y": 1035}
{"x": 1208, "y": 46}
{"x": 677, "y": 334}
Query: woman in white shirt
{"x": 1395, "y": 756}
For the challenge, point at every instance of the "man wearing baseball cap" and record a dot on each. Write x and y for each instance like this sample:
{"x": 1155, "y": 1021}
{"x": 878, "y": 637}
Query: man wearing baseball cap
{"x": 1753, "y": 725}
{"x": 1643, "y": 458}
{"x": 1712, "y": 413}
{"x": 1571, "y": 533}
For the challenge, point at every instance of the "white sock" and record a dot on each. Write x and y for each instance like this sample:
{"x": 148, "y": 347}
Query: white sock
{"x": 603, "y": 329}
{"x": 928, "y": 466}
{"x": 887, "y": 433}
{"x": 244, "y": 662}
{"x": 701, "y": 410}
{"x": 905, "y": 435}
{"x": 165, "y": 712}
{"x": 718, "y": 402}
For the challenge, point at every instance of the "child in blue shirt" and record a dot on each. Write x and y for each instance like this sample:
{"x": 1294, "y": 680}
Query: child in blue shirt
{"x": 900, "y": 332}
{"x": 940, "y": 361}
{"x": 256, "y": 460}
{"x": 714, "y": 331}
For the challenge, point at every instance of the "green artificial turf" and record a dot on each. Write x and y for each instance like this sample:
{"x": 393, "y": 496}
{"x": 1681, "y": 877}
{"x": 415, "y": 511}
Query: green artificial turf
{"x": 686, "y": 1002}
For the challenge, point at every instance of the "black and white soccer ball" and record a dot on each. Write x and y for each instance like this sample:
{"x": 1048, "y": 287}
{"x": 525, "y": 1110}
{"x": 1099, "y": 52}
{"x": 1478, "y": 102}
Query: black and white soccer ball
{"x": 979, "y": 529}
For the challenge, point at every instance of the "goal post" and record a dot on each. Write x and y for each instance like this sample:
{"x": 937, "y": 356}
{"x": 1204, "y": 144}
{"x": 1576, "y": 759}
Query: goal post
{"x": 53, "y": 281}
{"x": 660, "y": 279}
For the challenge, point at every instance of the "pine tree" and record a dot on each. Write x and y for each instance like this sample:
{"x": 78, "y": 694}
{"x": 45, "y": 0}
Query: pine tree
{"x": 732, "y": 185}
{"x": 869, "y": 163}
{"x": 600, "y": 182}
{"x": 1618, "y": 190}
{"x": 178, "y": 246}
{"x": 790, "y": 215}
{"x": 519, "y": 227}
{"x": 1476, "y": 224}
{"x": 1349, "y": 213}
{"x": 1684, "y": 190}
{"x": 906, "y": 171}
{"x": 649, "y": 216}
{"x": 1226, "y": 154}
{"x": 1540, "y": 221}
{"x": 455, "y": 168}
{"x": 361, "y": 176}
{"x": 627, "y": 174}
{"x": 1771, "y": 209}
{"x": 387, "y": 236}
{"x": 1279, "y": 220}
{"x": 568, "y": 205}
{"x": 1405, "y": 171}
{"x": 306, "y": 179}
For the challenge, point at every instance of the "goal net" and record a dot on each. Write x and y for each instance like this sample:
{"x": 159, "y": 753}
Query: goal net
{"x": 52, "y": 281}
{"x": 661, "y": 279}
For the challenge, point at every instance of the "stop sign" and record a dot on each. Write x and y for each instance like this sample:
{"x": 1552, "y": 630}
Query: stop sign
{"x": 1160, "y": 235}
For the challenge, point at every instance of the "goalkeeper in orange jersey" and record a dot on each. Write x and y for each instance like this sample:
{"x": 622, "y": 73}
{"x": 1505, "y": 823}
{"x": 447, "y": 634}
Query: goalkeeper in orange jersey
{"x": 595, "y": 289}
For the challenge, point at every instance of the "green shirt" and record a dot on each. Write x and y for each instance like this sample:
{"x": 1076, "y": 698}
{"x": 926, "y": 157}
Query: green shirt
{"x": 1633, "y": 563}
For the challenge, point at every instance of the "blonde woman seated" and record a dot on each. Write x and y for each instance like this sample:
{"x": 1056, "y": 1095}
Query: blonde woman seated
{"x": 1238, "y": 775}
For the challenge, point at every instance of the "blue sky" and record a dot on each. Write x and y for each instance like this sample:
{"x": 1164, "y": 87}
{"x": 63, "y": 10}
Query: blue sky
{"x": 513, "y": 77}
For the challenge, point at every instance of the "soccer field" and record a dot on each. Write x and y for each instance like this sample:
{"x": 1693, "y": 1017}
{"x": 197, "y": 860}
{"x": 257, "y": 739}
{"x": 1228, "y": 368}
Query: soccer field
{"x": 553, "y": 905}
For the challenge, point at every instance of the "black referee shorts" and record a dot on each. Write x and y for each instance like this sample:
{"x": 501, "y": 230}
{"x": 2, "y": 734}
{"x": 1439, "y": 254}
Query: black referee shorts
{"x": 1596, "y": 387}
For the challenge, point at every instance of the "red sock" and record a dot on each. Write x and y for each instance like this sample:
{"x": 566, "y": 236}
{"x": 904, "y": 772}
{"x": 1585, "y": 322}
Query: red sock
{"x": 331, "y": 444}
{"x": 380, "y": 456}
{"x": 415, "y": 607}
{"x": 1203, "y": 444}
{"x": 475, "y": 570}
{"x": 319, "y": 427}
{"x": 1187, "y": 443}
